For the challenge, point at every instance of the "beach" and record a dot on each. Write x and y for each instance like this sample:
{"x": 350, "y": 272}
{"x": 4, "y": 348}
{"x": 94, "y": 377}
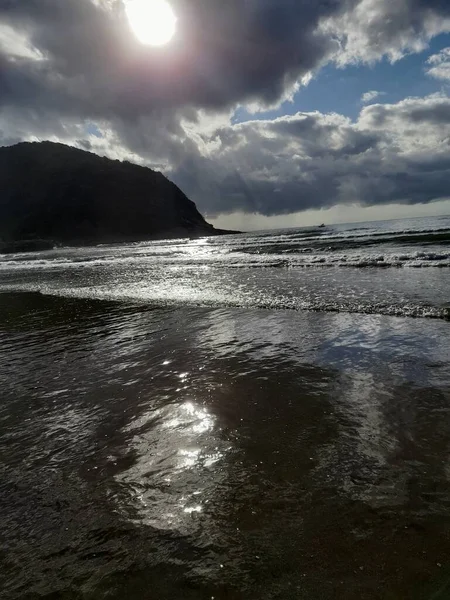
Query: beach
{"x": 260, "y": 416}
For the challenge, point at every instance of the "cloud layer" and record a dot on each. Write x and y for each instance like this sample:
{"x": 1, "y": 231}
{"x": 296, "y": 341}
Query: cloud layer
{"x": 226, "y": 52}
{"x": 392, "y": 153}
{"x": 73, "y": 71}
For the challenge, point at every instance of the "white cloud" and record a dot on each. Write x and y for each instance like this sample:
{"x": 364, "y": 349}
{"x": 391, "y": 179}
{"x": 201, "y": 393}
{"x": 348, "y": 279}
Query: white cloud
{"x": 368, "y": 97}
{"x": 17, "y": 44}
{"x": 439, "y": 65}
{"x": 391, "y": 153}
{"x": 367, "y": 30}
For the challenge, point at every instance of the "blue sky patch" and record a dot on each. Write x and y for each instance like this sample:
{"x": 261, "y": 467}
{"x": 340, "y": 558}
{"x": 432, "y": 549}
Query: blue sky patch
{"x": 340, "y": 90}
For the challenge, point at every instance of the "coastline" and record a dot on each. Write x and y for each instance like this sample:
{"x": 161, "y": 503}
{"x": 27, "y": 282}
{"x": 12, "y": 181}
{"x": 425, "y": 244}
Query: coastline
{"x": 38, "y": 245}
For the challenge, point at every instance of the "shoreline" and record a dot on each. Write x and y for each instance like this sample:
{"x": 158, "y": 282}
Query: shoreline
{"x": 148, "y": 304}
{"x": 39, "y": 245}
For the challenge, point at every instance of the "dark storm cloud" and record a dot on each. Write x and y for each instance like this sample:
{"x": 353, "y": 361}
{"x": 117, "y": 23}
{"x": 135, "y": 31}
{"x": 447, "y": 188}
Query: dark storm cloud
{"x": 226, "y": 52}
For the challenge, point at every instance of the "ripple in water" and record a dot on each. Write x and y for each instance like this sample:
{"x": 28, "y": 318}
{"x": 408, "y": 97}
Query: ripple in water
{"x": 227, "y": 453}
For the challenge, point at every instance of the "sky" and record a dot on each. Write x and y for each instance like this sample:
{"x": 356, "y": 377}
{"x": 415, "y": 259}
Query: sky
{"x": 267, "y": 113}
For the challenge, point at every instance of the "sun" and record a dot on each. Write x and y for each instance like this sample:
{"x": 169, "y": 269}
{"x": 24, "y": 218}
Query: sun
{"x": 152, "y": 21}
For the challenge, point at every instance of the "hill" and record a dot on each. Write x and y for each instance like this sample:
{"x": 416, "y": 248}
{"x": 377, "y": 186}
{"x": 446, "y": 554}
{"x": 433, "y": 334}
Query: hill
{"x": 55, "y": 194}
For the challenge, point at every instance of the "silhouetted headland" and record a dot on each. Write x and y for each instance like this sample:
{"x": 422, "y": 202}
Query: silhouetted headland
{"x": 54, "y": 194}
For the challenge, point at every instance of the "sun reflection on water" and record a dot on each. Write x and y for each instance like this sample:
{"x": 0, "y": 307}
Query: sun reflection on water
{"x": 178, "y": 449}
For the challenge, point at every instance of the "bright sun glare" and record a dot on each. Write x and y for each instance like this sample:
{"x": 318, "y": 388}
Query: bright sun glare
{"x": 152, "y": 21}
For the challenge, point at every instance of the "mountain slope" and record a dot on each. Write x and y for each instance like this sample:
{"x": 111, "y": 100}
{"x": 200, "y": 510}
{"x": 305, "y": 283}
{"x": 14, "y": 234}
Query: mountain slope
{"x": 61, "y": 194}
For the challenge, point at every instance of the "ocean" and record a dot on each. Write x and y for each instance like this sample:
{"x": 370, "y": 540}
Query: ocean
{"x": 255, "y": 416}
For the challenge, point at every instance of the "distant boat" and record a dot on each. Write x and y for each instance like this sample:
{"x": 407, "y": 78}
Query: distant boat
{"x": 322, "y": 226}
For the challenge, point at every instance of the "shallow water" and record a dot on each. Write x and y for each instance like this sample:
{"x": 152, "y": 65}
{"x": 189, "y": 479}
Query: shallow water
{"x": 169, "y": 430}
{"x": 221, "y": 453}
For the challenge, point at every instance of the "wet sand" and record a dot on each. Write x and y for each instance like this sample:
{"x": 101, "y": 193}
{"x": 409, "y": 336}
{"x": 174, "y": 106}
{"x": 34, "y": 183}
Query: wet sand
{"x": 202, "y": 453}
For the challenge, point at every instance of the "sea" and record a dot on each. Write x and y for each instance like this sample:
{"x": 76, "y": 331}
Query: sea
{"x": 262, "y": 416}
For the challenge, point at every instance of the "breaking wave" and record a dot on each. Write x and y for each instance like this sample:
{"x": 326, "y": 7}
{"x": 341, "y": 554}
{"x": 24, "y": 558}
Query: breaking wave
{"x": 394, "y": 268}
